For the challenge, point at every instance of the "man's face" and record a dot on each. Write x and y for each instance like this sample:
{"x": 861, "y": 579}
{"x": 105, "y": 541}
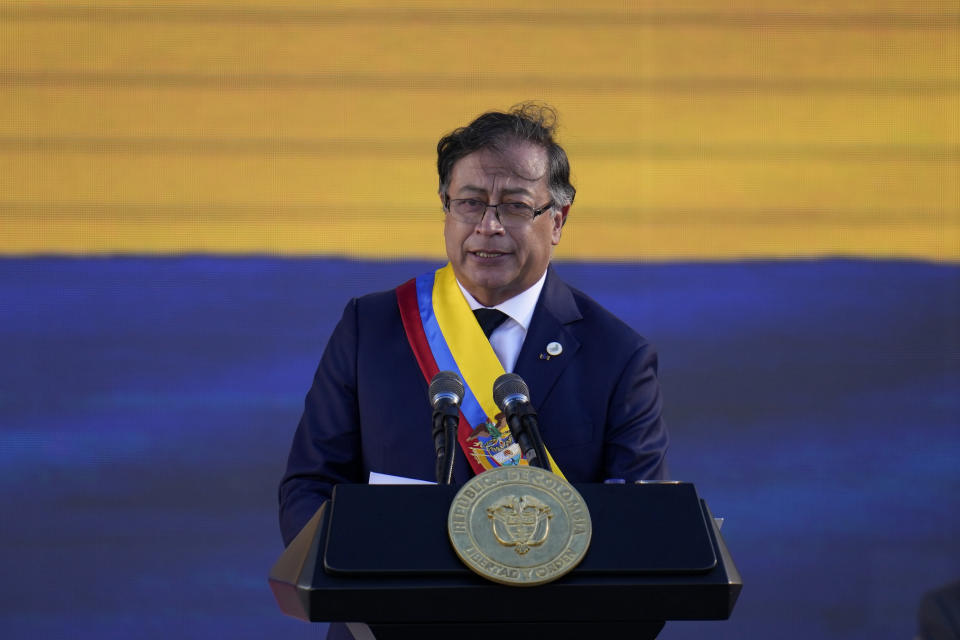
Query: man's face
{"x": 493, "y": 263}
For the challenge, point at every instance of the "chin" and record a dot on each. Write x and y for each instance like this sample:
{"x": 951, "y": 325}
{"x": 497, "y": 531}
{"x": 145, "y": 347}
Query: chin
{"x": 488, "y": 273}
{"x": 489, "y": 283}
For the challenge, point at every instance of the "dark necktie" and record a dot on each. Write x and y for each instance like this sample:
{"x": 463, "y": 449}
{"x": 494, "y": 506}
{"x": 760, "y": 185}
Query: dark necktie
{"x": 490, "y": 319}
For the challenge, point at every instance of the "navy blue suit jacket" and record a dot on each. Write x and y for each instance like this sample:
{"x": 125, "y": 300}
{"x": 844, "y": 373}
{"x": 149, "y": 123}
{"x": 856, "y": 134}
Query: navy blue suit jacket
{"x": 598, "y": 401}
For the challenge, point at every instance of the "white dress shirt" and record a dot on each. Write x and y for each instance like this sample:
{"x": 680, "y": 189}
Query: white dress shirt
{"x": 507, "y": 339}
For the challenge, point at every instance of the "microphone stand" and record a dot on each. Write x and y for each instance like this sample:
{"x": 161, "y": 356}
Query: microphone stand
{"x": 532, "y": 428}
{"x": 445, "y": 427}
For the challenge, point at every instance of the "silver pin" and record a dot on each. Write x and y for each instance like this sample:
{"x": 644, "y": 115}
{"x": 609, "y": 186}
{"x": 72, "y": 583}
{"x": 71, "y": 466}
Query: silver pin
{"x": 554, "y": 348}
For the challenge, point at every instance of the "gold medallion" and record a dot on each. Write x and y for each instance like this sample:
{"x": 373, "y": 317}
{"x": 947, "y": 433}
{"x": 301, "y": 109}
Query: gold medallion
{"x": 519, "y": 525}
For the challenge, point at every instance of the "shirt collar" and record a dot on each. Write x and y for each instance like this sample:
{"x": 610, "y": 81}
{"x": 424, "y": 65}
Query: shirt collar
{"x": 520, "y": 307}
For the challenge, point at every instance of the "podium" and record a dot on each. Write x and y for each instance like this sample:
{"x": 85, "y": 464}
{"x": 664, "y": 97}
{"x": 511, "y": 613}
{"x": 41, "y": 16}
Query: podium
{"x": 380, "y": 555}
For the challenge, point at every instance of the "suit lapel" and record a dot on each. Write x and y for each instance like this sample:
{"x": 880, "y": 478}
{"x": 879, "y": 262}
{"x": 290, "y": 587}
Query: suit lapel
{"x": 555, "y": 309}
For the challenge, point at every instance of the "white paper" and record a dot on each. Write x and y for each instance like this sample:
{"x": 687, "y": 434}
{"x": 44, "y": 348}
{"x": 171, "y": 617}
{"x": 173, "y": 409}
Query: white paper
{"x": 385, "y": 478}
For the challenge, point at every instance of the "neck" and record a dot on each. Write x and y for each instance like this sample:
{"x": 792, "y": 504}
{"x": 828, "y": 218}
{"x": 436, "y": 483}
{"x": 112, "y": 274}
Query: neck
{"x": 487, "y": 298}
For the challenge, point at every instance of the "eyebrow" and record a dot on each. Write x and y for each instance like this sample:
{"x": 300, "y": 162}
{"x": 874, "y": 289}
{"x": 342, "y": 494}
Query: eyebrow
{"x": 509, "y": 191}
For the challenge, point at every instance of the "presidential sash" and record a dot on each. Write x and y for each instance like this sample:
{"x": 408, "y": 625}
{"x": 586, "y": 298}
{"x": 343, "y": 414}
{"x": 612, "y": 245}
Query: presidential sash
{"x": 445, "y": 336}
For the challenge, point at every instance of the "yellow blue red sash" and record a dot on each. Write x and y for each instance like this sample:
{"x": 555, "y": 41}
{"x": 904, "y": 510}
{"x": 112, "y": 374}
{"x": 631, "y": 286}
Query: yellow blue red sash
{"x": 445, "y": 336}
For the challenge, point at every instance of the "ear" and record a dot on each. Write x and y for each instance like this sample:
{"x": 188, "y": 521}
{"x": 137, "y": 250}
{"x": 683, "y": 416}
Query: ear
{"x": 558, "y": 221}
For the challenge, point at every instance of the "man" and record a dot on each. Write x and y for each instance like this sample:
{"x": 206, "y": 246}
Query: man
{"x": 506, "y": 193}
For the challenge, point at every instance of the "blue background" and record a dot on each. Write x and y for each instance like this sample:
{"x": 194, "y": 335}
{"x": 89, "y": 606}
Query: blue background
{"x": 147, "y": 404}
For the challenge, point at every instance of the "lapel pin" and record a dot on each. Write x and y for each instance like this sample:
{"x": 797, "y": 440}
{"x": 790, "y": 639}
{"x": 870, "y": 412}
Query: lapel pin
{"x": 554, "y": 348}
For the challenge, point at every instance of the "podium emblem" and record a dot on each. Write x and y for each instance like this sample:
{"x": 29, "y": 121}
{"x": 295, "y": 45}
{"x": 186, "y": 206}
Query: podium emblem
{"x": 519, "y": 525}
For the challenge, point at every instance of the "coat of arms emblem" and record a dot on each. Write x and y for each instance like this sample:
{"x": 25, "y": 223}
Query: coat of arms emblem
{"x": 520, "y": 523}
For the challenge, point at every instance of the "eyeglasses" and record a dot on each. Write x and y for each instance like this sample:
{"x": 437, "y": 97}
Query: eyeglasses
{"x": 510, "y": 215}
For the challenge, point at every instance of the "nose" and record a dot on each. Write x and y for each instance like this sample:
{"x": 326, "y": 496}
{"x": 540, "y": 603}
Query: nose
{"x": 490, "y": 224}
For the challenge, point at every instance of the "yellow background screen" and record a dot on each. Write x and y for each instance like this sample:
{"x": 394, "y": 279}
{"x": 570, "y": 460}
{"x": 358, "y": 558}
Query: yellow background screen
{"x": 703, "y": 131}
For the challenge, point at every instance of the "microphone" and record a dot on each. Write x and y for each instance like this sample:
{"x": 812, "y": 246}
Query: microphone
{"x": 445, "y": 393}
{"x": 512, "y": 396}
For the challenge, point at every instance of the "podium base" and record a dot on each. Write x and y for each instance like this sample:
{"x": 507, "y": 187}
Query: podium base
{"x": 485, "y": 631}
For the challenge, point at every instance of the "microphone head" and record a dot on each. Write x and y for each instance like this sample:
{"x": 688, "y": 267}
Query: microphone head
{"x": 446, "y": 384}
{"x": 509, "y": 388}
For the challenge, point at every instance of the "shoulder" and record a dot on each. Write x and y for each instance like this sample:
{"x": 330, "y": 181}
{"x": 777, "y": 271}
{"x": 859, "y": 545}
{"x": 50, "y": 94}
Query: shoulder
{"x": 366, "y": 313}
{"x": 373, "y": 304}
{"x": 377, "y": 301}
{"x": 598, "y": 321}
{"x": 596, "y": 313}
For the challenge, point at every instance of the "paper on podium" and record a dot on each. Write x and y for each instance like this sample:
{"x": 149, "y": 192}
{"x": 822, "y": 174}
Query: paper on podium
{"x": 385, "y": 478}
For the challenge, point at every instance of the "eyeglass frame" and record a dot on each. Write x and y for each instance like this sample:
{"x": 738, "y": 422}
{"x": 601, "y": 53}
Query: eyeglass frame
{"x": 496, "y": 209}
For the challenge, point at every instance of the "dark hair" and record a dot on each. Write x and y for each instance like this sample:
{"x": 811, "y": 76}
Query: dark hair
{"x": 525, "y": 122}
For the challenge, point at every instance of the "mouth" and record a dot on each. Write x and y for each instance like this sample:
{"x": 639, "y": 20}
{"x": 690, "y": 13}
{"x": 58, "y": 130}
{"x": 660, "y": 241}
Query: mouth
{"x": 487, "y": 255}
